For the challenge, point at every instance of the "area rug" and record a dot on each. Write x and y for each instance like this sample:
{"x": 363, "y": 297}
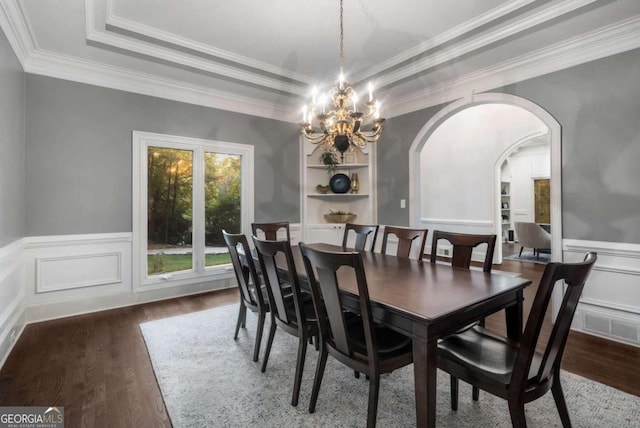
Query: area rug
{"x": 543, "y": 259}
{"x": 209, "y": 380}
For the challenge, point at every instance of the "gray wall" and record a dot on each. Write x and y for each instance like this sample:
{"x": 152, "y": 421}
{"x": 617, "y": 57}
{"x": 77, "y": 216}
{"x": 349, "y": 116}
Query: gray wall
{"x": 393, "y": 164}
{"x": 78, "y": 154}
{"x": 12, "y": 125}
{"x": 598, "y": 106}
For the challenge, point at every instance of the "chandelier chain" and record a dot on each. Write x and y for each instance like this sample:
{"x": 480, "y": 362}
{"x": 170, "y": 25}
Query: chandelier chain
{"x": 341, "y": 40}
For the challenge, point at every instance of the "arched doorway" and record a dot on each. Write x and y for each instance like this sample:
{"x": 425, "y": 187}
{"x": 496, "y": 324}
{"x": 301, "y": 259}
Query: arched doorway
{"x": 487, "y": 221}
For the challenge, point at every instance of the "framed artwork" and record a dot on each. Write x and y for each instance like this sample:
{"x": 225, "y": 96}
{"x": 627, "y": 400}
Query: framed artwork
{"x": 349, "y": 158}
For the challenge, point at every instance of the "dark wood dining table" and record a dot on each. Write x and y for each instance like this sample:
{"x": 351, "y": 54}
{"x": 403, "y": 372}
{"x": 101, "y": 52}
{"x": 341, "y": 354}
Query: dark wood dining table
{"x": 427, "y": 301}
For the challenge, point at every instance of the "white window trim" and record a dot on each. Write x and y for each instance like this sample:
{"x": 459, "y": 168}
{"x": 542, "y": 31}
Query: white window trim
{"x": 141, "y": 141}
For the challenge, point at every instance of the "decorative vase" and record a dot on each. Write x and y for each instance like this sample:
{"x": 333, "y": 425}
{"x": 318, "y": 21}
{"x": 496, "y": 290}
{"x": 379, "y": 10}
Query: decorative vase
{"x": 355, "y": 183}
{"x": 340, "y": 183}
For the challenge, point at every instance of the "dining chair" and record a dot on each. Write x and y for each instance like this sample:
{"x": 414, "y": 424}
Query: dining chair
{"x": 270, "y": 230}
{"x": 352, "y": 339}
{"x": 289, "y": 310}
{"x": 463, "y": 245}
{"x": 406, "y": 238}
{"x": 362, "y": 232}
{"x": 252, "y": 295}
{"x": 512, "y": 370}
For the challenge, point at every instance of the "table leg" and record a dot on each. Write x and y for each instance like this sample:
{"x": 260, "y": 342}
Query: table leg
{"x": 513, "y": 316}
{"x": 425, "y": 365}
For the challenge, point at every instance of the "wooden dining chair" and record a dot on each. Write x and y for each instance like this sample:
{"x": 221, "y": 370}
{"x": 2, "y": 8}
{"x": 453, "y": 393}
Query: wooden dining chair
{"x": 270, "y": 230}
{"x": 289, "y": 310}
{"x": 354, "y": 340}
{"x": 362, "y": 232}
{"x": 406, "y": 238}
{"x": 252, "y": 295}
{"x": 463, "y": 245}
{"x": 512, "y": 370}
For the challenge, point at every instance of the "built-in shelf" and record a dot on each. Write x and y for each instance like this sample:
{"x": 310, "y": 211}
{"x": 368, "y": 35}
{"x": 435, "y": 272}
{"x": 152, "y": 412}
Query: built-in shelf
{"x": 339, "y": 195}
{"x": 314, "y": 205}
{"x": 340, "y": 166}
{"x": 505, "y": 208}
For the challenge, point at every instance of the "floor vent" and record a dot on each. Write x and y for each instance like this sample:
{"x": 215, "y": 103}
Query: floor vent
{"x": 617, "y": 329}
{"x": 624, "y": 330}
{"x": 597, "y": 324}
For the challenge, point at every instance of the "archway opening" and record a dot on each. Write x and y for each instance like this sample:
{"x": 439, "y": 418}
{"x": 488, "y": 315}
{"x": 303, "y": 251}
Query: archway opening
{"x": 456, "y": 159}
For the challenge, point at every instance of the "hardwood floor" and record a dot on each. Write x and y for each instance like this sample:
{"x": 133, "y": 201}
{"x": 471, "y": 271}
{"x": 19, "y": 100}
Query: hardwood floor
{"x": 97, "y": 365}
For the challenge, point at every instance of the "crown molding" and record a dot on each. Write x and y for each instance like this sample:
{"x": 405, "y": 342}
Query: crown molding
{"x": 145, "y": 31}
{"x": 14, "y": 25}
{"x": 193, "y": 62}
{"x": 598, "y": 44}
{"x": 475, "y": 43}
{"x": 172, "y": 56}
{"x": 443, "y": 38}
{"x": 73, "y": 69}
{"x": 604, "y": 42}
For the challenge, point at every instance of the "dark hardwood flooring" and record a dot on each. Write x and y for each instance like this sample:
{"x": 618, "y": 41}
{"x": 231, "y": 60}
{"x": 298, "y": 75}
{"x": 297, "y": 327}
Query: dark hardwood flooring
{"x": 97, "y": 365}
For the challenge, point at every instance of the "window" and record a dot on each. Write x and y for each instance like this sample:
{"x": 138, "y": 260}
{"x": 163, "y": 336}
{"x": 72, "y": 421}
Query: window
{"x": 185, "y": 191}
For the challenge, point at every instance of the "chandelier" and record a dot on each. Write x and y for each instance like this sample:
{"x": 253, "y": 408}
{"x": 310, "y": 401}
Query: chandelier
{"x": 341, "y": 125}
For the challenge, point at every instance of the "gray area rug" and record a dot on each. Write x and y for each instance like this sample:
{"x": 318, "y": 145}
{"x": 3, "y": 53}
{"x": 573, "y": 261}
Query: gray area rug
{"x": 543, "y": 259}
{"x": 209, "y": 380}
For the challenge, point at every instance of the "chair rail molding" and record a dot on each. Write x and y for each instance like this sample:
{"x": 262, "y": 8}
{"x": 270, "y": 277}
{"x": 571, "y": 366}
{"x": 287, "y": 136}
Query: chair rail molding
{"x": 610, "y": 303}
{"x": 457, "y": 222}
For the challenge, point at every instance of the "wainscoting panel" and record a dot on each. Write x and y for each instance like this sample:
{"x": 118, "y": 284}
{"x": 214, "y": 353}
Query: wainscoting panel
{"x": 75, "y": 266}
{"x": 62, "y": 273}
{"x": 11, "y": 297}
{"x": 75, "y": 274}
{"x": 610, "y": 303}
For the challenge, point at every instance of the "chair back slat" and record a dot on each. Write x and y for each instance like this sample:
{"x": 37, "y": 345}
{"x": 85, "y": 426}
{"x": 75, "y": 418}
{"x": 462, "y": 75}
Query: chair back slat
{"x": 330, "y": 295}
{"x": 463, "y": 246}
{"x": 270, "y": 230}
{"x": 406, "y": 238}
{"x": 362, "y": 232}
{"x": 244, "y": 268}
{"x": 573, "y": 277}
{"x": 268, "y": 253}
{"x": 327, "y": 298}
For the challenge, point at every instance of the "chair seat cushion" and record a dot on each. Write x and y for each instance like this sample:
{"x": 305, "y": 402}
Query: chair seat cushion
{"x": 390, "y": 343}
{"x": 479, "y": 348}
{"x": 492, "y": 356}
{"x": 263, "y": 291}
{"x": 307, "y": 307}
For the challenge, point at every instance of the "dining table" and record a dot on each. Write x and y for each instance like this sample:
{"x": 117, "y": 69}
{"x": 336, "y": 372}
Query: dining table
{"x": 427, "y": 301}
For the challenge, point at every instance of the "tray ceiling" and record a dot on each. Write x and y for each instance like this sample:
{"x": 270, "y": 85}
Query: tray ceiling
{"x": 246, "y": 57}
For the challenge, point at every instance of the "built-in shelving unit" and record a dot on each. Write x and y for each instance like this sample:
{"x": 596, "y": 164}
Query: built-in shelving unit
{"x": 314, "y": 204}
{"x": 505, "y": 208}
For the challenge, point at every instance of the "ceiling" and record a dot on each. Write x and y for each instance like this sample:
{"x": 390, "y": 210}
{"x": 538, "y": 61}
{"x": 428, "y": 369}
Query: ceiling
{"x": 242, "y": 56}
